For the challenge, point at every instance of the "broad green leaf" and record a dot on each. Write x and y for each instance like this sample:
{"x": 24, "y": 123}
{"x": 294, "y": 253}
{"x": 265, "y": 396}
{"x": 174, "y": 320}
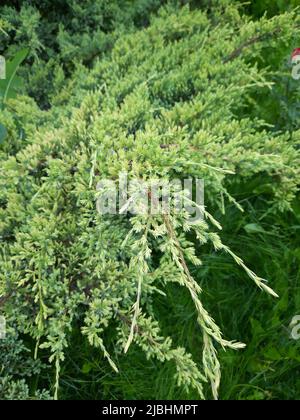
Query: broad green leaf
{"x": 86, "y": 368}
{"x": 272, "y": 353}
{"x": 7, "y": 85}
{"x": 254, "y": 228}
{"x": 264, "y": 189}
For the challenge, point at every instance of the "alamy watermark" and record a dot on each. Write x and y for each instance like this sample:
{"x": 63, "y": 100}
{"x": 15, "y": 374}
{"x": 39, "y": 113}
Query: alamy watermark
{"x": 2, "y": 68}
{"x": 296, "y": 64}
{"x": 295, "y": 328}
{"x": 152, "y": 196}
{"x": 2, "y": 328}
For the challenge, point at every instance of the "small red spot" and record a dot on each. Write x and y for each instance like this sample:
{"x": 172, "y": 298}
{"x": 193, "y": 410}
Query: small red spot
{"x": 295, "y": 53}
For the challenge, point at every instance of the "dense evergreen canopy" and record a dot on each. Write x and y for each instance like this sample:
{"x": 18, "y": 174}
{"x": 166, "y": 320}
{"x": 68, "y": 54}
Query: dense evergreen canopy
{"x": 156, "y": 89}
